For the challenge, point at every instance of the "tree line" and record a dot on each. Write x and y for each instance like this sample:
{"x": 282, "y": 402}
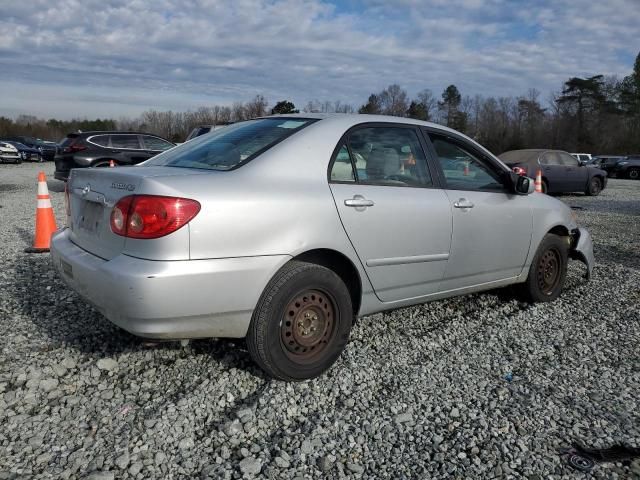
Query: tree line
{"x": 598, "y": 114}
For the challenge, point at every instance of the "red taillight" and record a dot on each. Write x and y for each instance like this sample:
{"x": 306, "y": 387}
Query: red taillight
{"x": 520, "y": 171}
{"x": 150, "y": 216}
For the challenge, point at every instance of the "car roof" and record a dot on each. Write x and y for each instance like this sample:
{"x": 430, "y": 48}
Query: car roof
{"x": 109, "y": 132}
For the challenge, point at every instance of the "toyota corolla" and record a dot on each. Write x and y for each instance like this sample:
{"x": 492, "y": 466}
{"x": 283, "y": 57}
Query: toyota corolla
{"x": 284, "y": 229}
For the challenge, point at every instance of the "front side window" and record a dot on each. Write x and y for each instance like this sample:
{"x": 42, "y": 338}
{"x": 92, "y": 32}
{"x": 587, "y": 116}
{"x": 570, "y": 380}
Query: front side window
{"x": 568, "y": 160}
{"x": 125, "y": 141}
{"x": 462, "y": 169}
{"x": 389, "y": 156}
{"x": 157, "y": 144}
{"x": 231, "y": 146}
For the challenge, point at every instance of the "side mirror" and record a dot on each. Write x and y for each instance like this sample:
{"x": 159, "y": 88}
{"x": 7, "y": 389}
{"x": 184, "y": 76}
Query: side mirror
{"x": 522, "y": 185}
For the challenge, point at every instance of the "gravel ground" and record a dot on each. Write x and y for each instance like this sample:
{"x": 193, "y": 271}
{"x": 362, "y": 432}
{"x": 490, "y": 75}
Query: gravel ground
{"x": 474, "y": 387}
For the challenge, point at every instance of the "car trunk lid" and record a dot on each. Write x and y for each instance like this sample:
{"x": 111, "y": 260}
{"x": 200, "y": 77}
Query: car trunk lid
{"x": 93, "y": 192}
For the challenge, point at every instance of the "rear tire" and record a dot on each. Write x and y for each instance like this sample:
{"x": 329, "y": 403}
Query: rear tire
{"x": 545, "y": 187}
{"x": 548, "y": 270}
{"x": 301, "y": 323}
{"x": 634, "y": 173}
{"x": 594, "y": 188}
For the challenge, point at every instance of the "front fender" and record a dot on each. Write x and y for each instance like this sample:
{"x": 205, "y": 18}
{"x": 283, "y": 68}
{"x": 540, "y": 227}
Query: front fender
{"x": 582, "y": 249}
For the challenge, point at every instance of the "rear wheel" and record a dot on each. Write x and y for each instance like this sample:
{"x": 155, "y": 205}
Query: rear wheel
{"x": 595, "y": 187}
{"x": 548, "y": 270}
{"x": 301, "y": 323}
{"x": 545, "y": 186}
{"x": 634, "y": 173}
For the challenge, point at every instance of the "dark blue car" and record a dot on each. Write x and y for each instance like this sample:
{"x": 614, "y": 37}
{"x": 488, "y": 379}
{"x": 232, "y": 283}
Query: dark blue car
{"x": 26, "y": 153}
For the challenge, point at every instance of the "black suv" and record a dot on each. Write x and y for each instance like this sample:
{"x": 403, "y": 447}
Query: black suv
{"x": 98, "y": 149}
{"x": 628, "y": 168}
{"x": 47, "y": 150}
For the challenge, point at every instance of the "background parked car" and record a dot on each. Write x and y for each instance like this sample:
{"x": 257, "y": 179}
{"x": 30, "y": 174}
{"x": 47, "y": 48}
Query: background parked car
{"x": 561, "y": 172}
{"x": 202, "y": 129}
{"x": 608, "y": 162}
{"x": 9, "y": 153}
{"x": 97, "y": 149}
{"x": 582, "y": 157}
{"x": 628, "y": 168}
{"x": 47, "y": 149}
{"x": 29, "y": 154}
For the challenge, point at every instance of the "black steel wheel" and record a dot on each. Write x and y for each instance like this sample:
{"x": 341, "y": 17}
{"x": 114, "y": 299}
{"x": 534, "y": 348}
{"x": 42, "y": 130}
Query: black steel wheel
{"x": 301, "y": 323}
{"x": 548, "y": 270}
{"x": 634, "y": 173}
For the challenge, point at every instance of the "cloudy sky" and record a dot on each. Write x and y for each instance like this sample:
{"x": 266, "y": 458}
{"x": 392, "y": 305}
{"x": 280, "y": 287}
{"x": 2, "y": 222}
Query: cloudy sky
{"x": 97, "y": 58}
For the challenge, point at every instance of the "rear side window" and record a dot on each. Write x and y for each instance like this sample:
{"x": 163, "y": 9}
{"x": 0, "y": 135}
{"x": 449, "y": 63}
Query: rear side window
{"x": 342, "y": 169}
{"x": 389, "y": 156}
{"x": 102, "y": 140}
{"x": 550, "y": 158}
{"x": 231, "y": 146}
{"x": 125, "y": 141}
{"x": 155, "y": 143}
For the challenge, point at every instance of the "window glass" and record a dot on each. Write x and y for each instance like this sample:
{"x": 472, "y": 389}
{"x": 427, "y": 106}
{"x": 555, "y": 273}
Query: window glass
{"x": 389, "y": 156}
{"x": 550, "y": 158}
{"x": 125, "y": 141}
{"x": 568, "y": 160}
{"x": 342, "y": 169}
{"x": 462, "y": 169}
{"x": 155, "y": 143}
{"x": 102, "y": 140}
{"x": 230, "y": 146}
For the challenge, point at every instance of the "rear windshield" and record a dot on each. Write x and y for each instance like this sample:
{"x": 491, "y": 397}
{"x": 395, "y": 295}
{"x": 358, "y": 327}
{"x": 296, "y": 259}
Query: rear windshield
{"x": 231, "y": 146}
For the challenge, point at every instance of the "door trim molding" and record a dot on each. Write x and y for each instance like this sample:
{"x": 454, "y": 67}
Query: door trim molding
{"x": 379, "y": 262}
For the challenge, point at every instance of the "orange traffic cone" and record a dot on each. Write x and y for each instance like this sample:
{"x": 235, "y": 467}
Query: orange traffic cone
{"x": 112, "y": 163}
{"x": 466, "y": 169}
{"x": 538, "y": 182}
{"x": 45, "y": 219}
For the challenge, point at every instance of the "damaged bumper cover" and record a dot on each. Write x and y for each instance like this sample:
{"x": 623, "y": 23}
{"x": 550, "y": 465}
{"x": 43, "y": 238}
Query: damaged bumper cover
{"x": 582, "y": 249}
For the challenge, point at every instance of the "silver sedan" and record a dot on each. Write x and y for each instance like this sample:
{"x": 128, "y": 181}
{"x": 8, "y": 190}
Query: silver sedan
{"x": 284, "y": 229}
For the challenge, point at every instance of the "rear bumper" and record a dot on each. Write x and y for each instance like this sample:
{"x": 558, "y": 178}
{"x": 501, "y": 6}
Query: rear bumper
{"x": 167, "y": 300}
{"x": 582, "y": 249}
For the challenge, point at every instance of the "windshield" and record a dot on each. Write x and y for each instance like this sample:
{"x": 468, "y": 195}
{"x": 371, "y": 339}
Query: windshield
{"x": 231, "y": 146}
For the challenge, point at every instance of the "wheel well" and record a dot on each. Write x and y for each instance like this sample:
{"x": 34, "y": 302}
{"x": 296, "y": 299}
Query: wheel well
{"x": 342, "y": 266}
{"x": 560, "y": 231}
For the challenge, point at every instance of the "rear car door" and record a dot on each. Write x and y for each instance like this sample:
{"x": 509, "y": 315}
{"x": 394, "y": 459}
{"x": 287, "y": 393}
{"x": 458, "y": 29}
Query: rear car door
{"x": 491, "y": 226}
{"x": 155, "y": 145}
{"x": 129, "y": 148}
{"x": 554, "y": 172}
{"x": 576, "y": 174}
{"x": 397, "y": 219}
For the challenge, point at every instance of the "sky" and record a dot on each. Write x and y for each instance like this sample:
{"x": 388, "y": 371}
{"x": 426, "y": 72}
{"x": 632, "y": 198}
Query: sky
{"x": 116, "y": 58}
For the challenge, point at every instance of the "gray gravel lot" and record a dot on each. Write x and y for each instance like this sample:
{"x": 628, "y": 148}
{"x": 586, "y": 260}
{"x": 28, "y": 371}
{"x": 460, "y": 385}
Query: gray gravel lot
{"x": 419, "y": 393}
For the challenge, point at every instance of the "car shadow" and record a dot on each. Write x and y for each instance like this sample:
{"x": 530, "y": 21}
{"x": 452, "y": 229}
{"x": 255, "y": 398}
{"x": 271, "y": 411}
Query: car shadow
{"x": 42, "y": 298}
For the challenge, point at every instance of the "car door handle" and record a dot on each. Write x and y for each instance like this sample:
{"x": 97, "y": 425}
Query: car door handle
{"x": 358, "y": 201}
{"x": 463, "y": 203}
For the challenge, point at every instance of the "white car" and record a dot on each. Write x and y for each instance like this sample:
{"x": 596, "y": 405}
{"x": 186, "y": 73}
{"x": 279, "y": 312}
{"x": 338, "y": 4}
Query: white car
{"x": 9, "y": 153}
{"x": 582, "y": 157}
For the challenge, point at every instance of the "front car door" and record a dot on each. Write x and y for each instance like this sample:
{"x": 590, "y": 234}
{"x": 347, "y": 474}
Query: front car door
{"x": 576, "y": 174}
{"x": 554, "y": 172}
{"x": 491, "y": 226}
{"x": 397, "y": 220}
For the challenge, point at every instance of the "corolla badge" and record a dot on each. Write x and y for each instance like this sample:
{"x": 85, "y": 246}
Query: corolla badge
{"x": 123, "y": 186}
{"x": 86, "y": 189}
